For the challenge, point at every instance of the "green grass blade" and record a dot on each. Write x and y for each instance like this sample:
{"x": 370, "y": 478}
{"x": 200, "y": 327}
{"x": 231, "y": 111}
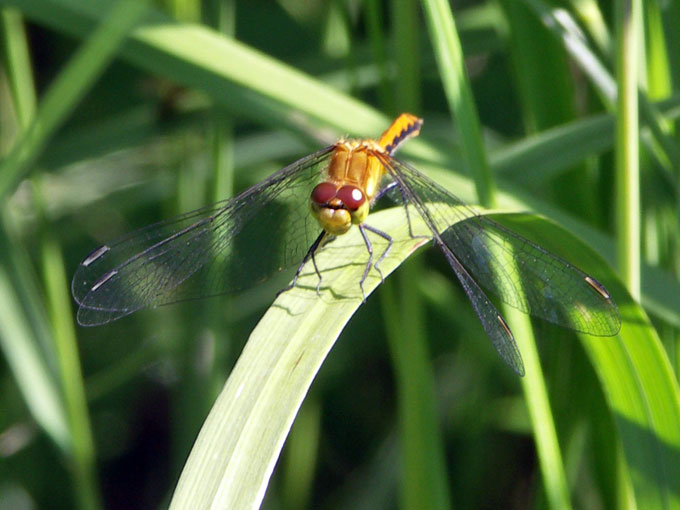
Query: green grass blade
{"x": 457, "y": 87}
{"x": 208, "y": 69}
{"x": 302, "y": 451}
{"x": 80, "y": 451}
{"x": 423, "y": 474}
{"x": 71, "y": 377}
{"x": 239, "y": 444}
{"x": 458, "y": 91}
{"x": 658, "y": 68}
{"x": 563, "y": 26}
{"x": 635, "y": 372}
{"x": 69, "y": 88}
{"x": 287, "y": 96}
{"x": 627, "y": 149}
{"x": 234, "y": 74}
{"x": 377, "y": 37}
{"x": 23, "y": 328}
{"x": 590, "y": 15}
{"x": 535, "y": 393}
{"x": 643, "y": 394}
{"x": 344, "y": 114}
{"x": 21, "y": 337}
{"x": 405, "y": 35}
{"x": 540, "y": 66}
{"x": 423, "y": 477}
{"x": 235, "y": 453}
{"x": 17, "y": 65}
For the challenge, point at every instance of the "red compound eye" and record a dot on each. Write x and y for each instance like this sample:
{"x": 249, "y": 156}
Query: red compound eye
{"x": 351, "y": 196}
{"x": 323, "y": 192}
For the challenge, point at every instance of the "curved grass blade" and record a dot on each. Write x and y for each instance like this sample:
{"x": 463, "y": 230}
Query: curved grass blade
{"x": 235, "y": 453}
{"x": 239, "y": 444}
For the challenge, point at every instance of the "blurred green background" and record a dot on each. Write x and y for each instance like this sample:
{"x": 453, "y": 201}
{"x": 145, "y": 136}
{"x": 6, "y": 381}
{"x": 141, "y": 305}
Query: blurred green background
{"x": 115, "y": 115}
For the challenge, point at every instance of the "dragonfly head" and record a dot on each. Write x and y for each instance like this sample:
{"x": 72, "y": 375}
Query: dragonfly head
{"x": 338, "y": 208}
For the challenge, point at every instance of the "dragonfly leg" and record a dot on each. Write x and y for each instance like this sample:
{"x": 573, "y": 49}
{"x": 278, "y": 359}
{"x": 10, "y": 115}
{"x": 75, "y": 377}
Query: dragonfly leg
{"x": 318, "y": 273}
{"x": 408, "y": 218}
{"x": 404, "y": 201}
{"x": 309, "y": 255}
{"x": 369, "y": 247}
{"x": 385, "y": 190}
{"x": 390, "y": 242}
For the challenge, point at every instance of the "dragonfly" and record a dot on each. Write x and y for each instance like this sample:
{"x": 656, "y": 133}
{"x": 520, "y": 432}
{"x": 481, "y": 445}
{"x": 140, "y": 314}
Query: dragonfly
{"x": 286, "y": 219}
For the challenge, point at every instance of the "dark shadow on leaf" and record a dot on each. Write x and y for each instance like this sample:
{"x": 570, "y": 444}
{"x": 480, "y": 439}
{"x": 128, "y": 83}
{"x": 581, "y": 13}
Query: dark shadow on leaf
{"x": 652, "y": 458}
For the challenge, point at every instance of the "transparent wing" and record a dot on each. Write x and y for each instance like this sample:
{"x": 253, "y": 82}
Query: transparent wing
{"x": 222, "y": 248}
{"x": 519, "y": 272}
{"x": 492, "y": 321}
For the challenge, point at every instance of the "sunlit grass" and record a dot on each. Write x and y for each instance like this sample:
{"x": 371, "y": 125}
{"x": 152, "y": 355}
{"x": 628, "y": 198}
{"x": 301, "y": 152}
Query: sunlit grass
{"x": 135, "y": 124}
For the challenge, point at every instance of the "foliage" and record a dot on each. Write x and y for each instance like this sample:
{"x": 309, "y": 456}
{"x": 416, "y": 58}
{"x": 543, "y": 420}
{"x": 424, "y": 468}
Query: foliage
{"x": 116, "y": 114}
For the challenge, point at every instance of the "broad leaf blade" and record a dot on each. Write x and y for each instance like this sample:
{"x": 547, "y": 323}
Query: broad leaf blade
{"x": 235, "y": 453}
